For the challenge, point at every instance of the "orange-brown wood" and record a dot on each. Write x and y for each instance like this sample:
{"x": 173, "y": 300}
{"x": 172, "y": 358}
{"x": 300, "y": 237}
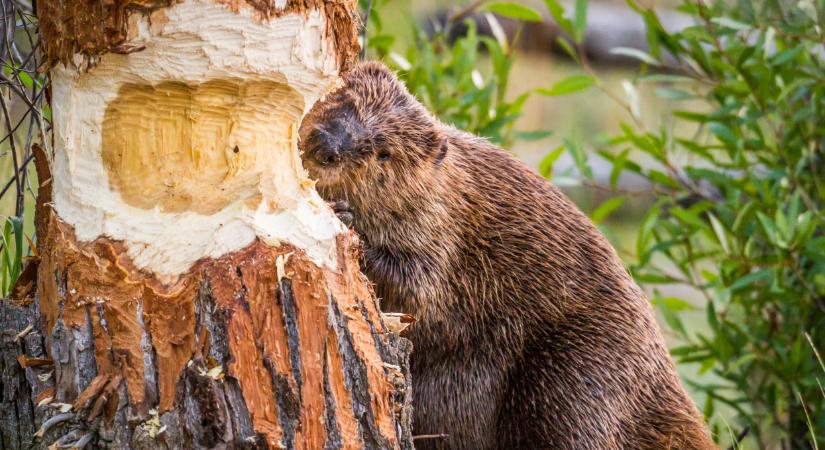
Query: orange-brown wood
{"x": 296, "y": 336}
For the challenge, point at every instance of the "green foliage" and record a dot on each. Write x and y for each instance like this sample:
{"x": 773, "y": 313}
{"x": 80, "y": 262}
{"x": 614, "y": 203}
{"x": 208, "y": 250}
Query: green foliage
{"x": 739, "y": 175}
{"x": 24, "y": 119}
{"x": 464, "y": 82}
{"x": 569, "y": 85}
{"x": 513, "y": 10}
{"x": 11, "y": 253}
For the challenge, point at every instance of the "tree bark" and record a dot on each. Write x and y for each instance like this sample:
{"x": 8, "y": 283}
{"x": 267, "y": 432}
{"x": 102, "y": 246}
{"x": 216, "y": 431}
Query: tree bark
{"x": 192, "y": 289}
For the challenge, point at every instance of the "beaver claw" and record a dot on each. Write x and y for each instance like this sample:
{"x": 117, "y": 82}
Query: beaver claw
{"x": 343, "y": 211}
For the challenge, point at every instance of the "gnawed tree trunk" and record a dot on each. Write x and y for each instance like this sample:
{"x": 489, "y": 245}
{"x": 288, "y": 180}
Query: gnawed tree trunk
{"x": 193, "y": 291}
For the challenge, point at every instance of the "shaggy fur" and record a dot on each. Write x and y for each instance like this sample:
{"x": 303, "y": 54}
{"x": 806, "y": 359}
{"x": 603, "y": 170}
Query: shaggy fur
{"x": 530, "y": 332}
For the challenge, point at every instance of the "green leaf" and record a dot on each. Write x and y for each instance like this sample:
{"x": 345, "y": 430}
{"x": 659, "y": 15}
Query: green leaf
{"x": 513, "y": 11}
{"x": 605, "y": 209}
{"x": 565, "y": 45}
{"x": 557, "y": 11}
{"x": 711, "y": 316}
{"x": 569, "y": 85}
{"x": 721, "y": 234}
{"x": 673, "y": 320}
{"x": 661, "y": 178}
{"x": 782, "y": 226}
{"x": 743, "y": 216}
{"x": 652, "y": 33}
{"x": 730, "y": 23}
{"x": 667, "y": 78}
{"x": 579, "y": 156}
{"x": 692, "y": 116}
{"x": 709, "y": 407}
{"x": 687, "y": 216}
{"x": 674, "y": 94}
{"x": 546, "y": 164}
{"x": 7, "y": 259}
{"x": 381, "y": 42}
{"x": 645, "y": 233}
{"x": 742, "y": 360}
{"x": 580, "y": 23}
{"x": 532, "y": 135}
{"x": 652, "y": 278}
{"x": 26, "y": 79}
{"x": 805, "y": 227}
{"x": 786, "y": 55}
{"x": 723, "y": 132}
{"x": 619, "y": 163}
{"x": 17, "y": 267}
{"x": 751, "y": 278}
{"x": 47, "y": 112}
{"x": 706, "y": 365}
{"x": 769, "y": 227}
{"x": 675, "y": 304}
{"x": 635, "y": 54}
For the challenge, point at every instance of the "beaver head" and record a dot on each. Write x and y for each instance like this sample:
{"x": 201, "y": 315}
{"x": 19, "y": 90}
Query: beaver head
{"x": 367, "y": 137}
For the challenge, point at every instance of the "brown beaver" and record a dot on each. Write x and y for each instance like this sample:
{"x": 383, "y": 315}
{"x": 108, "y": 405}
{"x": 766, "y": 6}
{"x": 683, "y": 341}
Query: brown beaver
{"x": 530, "y": 332}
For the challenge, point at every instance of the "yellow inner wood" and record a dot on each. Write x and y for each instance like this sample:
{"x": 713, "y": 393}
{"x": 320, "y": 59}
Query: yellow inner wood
{"x": 183, "y": 147}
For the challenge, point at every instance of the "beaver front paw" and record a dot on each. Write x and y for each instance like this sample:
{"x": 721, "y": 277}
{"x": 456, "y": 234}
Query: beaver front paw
{"x": 343, "y": 211}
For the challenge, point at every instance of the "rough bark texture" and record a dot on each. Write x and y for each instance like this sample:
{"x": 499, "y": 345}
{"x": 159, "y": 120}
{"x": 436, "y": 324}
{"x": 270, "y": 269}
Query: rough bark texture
{"x": 258, "y": 348}
{"x": 22, "y": 388}
{"x": 41, "y": 406}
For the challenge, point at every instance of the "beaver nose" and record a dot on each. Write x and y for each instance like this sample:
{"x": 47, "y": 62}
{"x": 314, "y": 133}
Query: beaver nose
{"x": 327, "y": 149}
{"x": 328, "y": 143}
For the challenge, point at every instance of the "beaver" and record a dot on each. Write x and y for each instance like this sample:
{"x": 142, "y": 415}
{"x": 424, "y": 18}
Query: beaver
{"x": 530, "y": 333}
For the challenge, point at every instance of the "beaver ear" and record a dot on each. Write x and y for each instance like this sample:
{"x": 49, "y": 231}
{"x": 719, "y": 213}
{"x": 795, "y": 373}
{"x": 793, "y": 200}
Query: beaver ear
{"x": 441, "y": 151}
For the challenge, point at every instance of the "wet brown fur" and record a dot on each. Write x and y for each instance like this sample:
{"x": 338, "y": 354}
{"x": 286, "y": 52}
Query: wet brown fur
{"x": 530, "y": 332}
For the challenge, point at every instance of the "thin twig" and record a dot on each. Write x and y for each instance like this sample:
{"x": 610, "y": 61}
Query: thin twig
{"x": 20, "y": 59}
{"x": 738, "y": 438}
{"x": 25, "y": 115}
{"x": 366, "y": 22}
{"x": 22, "y": 95}
{"x": 12, "y": 180}
{"x": 466, "y": 11}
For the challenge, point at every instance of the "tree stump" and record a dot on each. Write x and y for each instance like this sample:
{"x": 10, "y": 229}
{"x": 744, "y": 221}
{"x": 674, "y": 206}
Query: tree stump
{"x": 192, "y": 289}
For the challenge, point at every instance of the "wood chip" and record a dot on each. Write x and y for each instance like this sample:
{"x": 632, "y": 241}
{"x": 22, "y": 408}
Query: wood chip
{"x": 26, "y": 361}
{"x": 91, "y": 392}
{"x": 397, "y": 322}
{"x": 23, "y": 333}
{"x": 216, "y": 373}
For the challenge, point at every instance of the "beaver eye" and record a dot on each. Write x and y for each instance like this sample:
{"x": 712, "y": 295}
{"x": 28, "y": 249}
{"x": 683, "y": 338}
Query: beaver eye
{"x": 383, "y": 155}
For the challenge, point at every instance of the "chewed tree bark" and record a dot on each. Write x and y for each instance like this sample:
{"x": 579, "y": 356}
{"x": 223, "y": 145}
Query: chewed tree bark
{"x": 192, "y": 289}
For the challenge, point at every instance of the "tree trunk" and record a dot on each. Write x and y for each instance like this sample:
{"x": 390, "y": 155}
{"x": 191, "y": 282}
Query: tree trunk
{"x": 193, "y": 290}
